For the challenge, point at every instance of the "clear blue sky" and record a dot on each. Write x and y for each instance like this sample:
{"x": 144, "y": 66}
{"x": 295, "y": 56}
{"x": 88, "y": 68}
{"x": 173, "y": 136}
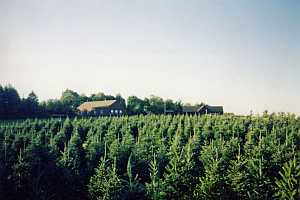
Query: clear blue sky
{"x": 242, "y": 54}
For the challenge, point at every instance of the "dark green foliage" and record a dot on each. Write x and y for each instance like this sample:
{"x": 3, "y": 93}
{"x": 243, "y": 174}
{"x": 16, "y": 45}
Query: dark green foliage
{"x": 135, "y": 105}
{"x": 151, "y": 157}
{"x": 132, "y": 189}
{"x": 70, "y": 99}
{"x": 156, "y": 188}
{"x": 9, "y": 102}
{"x": 288, "y": 186}
{"x": 216, "y": 158}
{"x": 14, "y": 107}
{"x": 154, "y": 105}
{"x": 181, "y": 173}
{"x": 105, "y": 184}
{"x": 74, "y": 155}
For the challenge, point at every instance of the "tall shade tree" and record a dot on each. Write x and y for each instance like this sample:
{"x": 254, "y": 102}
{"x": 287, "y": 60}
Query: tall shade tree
{"x": 155, "y": 105}
{"x": 1, "y": 101}
{"x": 135, "y": 105}
{"x": 30, "y": 106}
{"x": 10, "y": 101}
{"x": 70, "y": 99}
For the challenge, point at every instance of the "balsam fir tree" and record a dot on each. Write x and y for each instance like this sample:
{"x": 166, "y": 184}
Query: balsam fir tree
{"x": 288, "y": 185}
{"x": 105, "y": 184}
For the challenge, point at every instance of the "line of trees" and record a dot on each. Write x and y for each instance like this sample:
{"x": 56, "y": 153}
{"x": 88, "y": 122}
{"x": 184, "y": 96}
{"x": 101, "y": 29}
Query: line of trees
{"x": 12, "y": 106}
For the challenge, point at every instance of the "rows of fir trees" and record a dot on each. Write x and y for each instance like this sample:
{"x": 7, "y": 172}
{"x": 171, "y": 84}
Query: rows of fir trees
{"x": 151, "y": 157}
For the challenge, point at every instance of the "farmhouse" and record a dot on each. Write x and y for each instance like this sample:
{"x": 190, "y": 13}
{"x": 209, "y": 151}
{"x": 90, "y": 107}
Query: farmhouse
{"x": 203, "y": 109}
{"x": 101, "y": 108}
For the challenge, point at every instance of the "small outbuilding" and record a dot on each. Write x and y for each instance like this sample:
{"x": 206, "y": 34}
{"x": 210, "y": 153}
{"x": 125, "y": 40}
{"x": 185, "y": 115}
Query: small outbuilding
{"x": 101, "y": 108}
{"x": 203, "y": 109}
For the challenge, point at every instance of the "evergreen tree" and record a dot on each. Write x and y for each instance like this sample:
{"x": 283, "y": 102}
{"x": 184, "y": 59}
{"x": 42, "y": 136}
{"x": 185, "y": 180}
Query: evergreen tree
{"x": 156, "y": 188}
{"x": 105, "y": 184}
{"x": 288, "y": 186}
{"x": 75, "y": 152}
{"x": 133, "y": 188}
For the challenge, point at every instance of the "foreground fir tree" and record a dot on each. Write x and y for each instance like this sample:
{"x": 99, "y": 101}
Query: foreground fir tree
{"x": 156, "y": 188}
{"x": 132, "y": 189}
{"x": 288, "y": 185}
{"x": 105, "y": 184}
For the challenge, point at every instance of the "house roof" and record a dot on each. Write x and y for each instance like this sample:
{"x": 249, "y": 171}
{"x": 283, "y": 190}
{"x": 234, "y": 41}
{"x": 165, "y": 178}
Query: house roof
{"x": 198, "y": 108}
{"x": 215, "y": 109}
{"x": 212, "y": 109}
{"x": 88, "y": 106}
{"x": 190, "y": 109}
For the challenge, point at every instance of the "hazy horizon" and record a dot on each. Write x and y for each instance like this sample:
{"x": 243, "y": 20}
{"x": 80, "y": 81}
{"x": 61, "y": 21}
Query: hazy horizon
{"x": 244, "y": 55}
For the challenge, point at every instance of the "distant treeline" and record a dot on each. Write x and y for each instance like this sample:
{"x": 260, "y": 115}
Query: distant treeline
{"x": 13, "y": 106}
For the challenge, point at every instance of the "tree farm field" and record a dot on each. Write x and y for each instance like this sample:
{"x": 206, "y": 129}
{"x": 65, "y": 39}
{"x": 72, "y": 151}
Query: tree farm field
{"x": 151, "y": 157}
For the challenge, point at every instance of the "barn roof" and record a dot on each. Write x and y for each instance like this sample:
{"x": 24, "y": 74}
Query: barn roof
{"x": 90, "y": 105}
